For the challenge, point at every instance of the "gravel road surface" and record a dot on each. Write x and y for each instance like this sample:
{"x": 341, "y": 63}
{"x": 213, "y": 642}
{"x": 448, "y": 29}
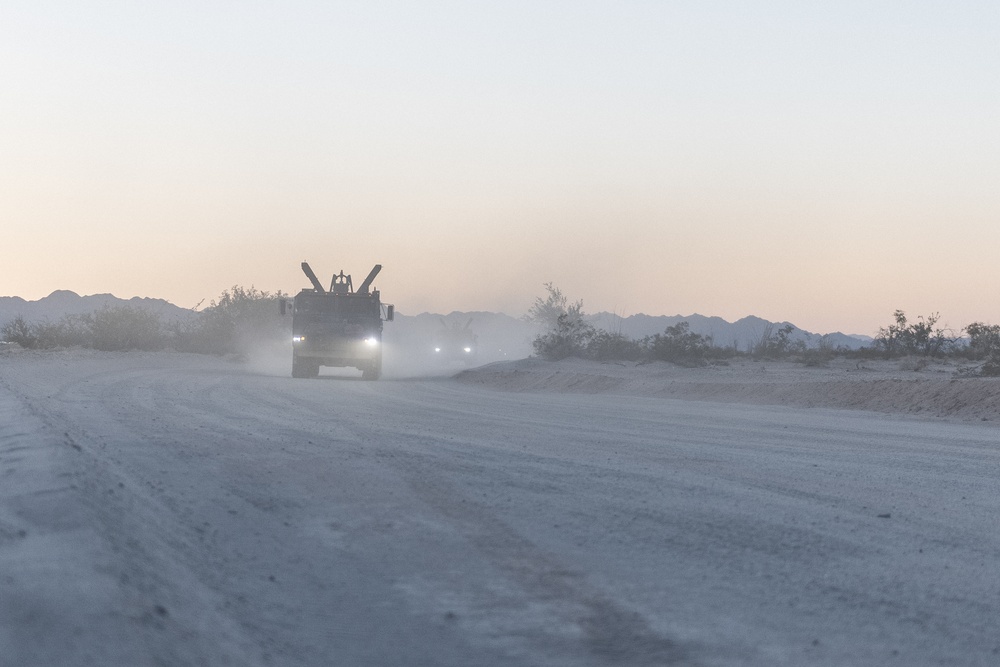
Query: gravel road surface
{"x": 167, "y": 509}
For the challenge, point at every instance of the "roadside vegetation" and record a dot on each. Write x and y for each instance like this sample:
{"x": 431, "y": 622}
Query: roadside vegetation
{"x": 566, "y": 332}
{"x": 240, "y": 320}
{"x": 243, "y": 319}
{"x": 111, "y": 328}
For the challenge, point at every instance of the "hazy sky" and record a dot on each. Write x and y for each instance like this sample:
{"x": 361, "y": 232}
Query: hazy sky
{"x": 818, "y": 162}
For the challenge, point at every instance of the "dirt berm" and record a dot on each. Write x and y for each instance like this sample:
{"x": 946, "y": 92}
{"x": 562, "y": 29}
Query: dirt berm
{"x": 937, "y": 389}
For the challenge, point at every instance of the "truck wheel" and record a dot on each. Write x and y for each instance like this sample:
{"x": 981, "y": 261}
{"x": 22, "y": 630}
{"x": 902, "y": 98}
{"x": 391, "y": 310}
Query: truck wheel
{"x": 373, "y": 371}
{"x": 302, "y": 368}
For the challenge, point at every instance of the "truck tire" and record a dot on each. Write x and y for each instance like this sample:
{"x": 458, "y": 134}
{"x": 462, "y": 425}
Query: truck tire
{"x": 304, "y": 368}
{"x": 374, "y": 369}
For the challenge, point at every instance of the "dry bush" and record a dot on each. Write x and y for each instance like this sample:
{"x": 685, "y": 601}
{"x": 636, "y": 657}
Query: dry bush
{"x": 124, "y": 328}
{"x": 991, "y": 367}
{"x": 776, "y": 344}
{"x": 67, "y": 332}
{"x": 566, "y": 333}
{"x": 569, "y": 338}
{"x": 984, "y": 340}
{"x": 111, "y": 328}
{"x": 20, "y": 332}
{"x": 607, "y": 346}
{"x": 679, "y": 345}
{"x": 240, "y": 320}
{"x": 819, "y": 356}
{"x": 919, "y": 338}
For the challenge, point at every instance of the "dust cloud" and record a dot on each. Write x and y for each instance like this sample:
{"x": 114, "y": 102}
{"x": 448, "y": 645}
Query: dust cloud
{"x": 412, "y": 347}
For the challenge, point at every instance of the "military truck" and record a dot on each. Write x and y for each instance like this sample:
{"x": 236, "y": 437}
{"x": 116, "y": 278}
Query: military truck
{"x": 455, "y": 343}
{"x": 337, "y": 327}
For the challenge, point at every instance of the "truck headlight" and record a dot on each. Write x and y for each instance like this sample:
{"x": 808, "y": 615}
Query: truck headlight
{"x": 467, "y": 349}
{"x": 371, "y": 341}
{"x": 298, "y": 339}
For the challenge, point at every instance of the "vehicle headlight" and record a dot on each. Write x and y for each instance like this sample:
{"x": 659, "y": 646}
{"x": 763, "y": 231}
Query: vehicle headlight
{"x": 467, "y": 349}
{"x": 298, "y": 339}
{"x": 437, "y": 349}
{"x": 371, "y": 341}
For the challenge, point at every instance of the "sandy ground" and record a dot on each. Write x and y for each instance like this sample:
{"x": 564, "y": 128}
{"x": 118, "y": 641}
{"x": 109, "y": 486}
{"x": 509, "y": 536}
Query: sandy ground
{"x": 170, "y": 509}
{"x": 909, "y": 386}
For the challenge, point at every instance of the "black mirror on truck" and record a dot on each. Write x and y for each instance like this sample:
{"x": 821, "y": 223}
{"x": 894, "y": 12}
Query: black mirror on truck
{"x": 390, "y": 312}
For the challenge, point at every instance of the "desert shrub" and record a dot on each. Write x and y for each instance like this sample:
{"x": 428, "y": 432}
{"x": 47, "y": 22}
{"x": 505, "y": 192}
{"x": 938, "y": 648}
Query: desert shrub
{"x": 991, "y": 365}
{"x": 776, "y": 344}
{"x": 20, "y": 332}
{"x": 984, "y": 340}
{"x": 607, "y": 346}
{"x": 240, "y": 320}
{"x": 547, "y": 311}
{"x": 111, "y": 328}
{"x": 821, "y": 355}
{"x": 888, "y": 339}
{"x": 570, "y": 337}
{"x": 679, "y": 345}
{"x": 66, "y": 332}
{"x": 124, "y": 328}
{"x": 983, "y": 345}
{"x": 70, "y": 331}
{"x": 566, "y": 333}
{"x": 919, "y": 338}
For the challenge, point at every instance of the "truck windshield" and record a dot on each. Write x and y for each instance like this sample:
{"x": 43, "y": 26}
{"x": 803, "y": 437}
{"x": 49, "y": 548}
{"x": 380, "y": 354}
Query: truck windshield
{"x": 339, "y": 306}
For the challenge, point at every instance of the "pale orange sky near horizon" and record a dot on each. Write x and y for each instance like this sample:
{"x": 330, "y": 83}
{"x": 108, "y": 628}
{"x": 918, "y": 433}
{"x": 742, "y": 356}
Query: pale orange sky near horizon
{"x": 822, "y": 164}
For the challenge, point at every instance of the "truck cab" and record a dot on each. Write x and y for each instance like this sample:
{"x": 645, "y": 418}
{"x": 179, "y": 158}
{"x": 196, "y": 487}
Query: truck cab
{"x": 338, "y": 327}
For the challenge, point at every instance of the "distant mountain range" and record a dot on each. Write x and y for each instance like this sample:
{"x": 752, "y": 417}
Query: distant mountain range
{"x": 497, "y": 331}
{"x": 64, "y": 302}
{"x": 743, "y": 333}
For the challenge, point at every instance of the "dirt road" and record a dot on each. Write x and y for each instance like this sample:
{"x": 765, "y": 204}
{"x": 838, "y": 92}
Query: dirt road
{"x": 165, "y": 509}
